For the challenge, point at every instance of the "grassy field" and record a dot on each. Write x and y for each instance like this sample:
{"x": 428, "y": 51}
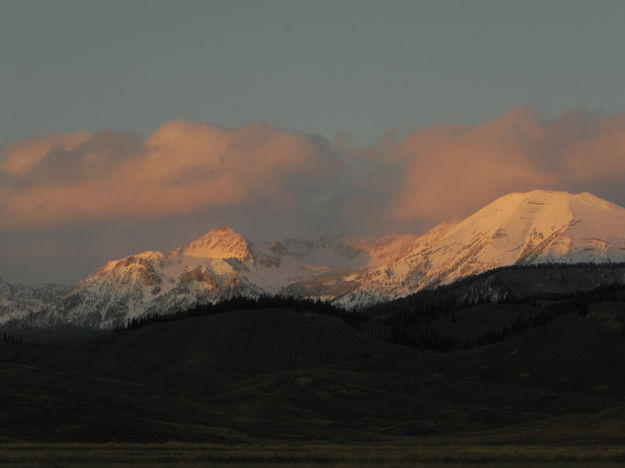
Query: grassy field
{"x": 177, "y": 454}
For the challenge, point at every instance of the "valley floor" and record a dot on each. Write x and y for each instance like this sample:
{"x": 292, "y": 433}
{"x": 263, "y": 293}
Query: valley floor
{"x": 439, "y": 455}
{"x": 295, "y": 388}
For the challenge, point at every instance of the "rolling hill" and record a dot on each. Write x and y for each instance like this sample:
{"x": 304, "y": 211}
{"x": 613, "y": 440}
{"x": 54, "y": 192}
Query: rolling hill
{"x": 293, "y": 375}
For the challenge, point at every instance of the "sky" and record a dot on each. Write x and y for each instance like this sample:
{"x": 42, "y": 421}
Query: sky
{"x": 141, "y": 125}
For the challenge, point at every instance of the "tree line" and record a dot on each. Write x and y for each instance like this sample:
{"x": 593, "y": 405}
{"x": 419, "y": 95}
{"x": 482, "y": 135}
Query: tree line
{"x": 7, "y": 338}
{"x": 410, "y": 321}
{"x": 446, "y": 297}
{"x": 415, "y": 327}
{"x": 242, "y": 302}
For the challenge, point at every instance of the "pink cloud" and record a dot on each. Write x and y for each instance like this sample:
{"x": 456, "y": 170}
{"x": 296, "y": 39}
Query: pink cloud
{"x": 22, "y": 156}
{"x": 426, "y": 176}
{"x": 449, "y": 171}
{"x": 181, "y": 167}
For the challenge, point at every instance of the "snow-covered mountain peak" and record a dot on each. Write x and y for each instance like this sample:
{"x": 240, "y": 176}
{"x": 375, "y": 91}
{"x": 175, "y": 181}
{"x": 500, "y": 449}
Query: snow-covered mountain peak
{"x": 519, "y": 228}
{"x": 541, "y": 225}
{"x": 539, "y": 215}
{"x": 512, "y": 216}
{"x": 538, "y": 226}
{"x": 221, "y": 242}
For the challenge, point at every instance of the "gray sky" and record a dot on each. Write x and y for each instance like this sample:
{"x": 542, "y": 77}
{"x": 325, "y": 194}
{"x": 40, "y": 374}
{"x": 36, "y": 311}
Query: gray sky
{"x": 334, "y": 67}
{"x": 374, "y": 85}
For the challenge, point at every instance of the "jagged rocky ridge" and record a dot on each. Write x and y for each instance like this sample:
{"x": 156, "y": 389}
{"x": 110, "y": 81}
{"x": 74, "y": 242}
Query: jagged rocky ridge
{"x": 519, "y": 228}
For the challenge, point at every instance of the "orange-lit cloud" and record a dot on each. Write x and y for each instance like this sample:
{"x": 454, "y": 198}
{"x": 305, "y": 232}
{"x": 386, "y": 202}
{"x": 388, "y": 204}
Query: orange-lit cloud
{"x": 449, "y": 171}
{"x": 186, "y": 167}
{"x": 70, "y": 202}
{"x": 181, "y": 167}
{"x": 22, "y": 156}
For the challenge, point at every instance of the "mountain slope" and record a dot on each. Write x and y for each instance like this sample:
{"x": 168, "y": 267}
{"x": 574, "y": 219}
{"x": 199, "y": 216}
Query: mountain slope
{"x": 289, "y": 375}
{"x": 219, "y": 265}
{"x": 516, "y": 229}
{"x": 519, "y": 228}
{"x": 18, "y": 301}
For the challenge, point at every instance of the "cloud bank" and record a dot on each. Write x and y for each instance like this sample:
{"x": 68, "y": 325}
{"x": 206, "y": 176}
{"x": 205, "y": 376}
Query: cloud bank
{"x": 452, "y": 170}
{"x": 183, "y": 167}
{"x": 180, "y": 168}
{"x": 297, "y": 183}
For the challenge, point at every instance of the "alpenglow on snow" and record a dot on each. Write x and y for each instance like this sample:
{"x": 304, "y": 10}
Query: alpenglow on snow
{"x": 518, "y": 228}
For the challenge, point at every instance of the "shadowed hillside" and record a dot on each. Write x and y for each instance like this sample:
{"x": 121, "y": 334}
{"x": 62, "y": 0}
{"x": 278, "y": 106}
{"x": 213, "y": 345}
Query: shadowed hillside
{"x": 261, "y": 375}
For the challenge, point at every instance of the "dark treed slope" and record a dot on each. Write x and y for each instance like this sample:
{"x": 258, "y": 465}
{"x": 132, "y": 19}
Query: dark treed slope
{"x": 474, "y": 311}
{"x": 286, "y": 374}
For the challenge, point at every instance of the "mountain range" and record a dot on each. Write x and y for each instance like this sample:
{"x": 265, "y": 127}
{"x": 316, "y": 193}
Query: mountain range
{"x": 517, "y": 229}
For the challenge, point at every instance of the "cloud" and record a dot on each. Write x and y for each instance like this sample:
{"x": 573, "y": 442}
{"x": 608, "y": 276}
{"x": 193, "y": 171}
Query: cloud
{"x": 425, "y": 176}
{"x": 449, "y": 171}
{"x": 20, "y": 157}
{"x": 85, "y": 197}
{"x": 180, "y": 168}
